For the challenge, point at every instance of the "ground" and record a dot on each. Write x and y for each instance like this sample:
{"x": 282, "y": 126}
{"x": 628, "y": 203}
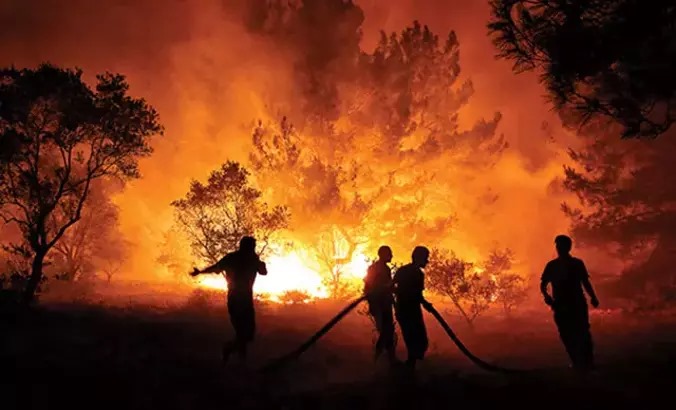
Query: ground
{"x": 140, "y": 356}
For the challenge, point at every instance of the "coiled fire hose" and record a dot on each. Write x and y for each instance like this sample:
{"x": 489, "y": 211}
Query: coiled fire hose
{"x": 283, "y": 360}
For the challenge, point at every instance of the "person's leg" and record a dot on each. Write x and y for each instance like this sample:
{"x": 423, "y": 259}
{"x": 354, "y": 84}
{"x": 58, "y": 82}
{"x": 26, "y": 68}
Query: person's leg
{"x": 586, "y": 345}
{"x": 377, "y": 316}
{"x": 246, "y": 326}
{"x": 233, "y": 312}
{"x": 424, "y": 341}
{"x": 407, "y": 332}
{"x": 415, "y": 337}
{"x": 419, "y": 331}
{"x": 387, "y": 333}
{"x": 563, "y": 325}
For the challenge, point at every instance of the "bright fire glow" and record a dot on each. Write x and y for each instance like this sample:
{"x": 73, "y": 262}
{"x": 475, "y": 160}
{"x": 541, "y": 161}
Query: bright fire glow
{"x": 357, "y": 267}
{"x": 290, "y": 273}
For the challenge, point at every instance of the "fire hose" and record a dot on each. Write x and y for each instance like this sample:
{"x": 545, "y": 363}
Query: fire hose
{"x": 283, "y": 360}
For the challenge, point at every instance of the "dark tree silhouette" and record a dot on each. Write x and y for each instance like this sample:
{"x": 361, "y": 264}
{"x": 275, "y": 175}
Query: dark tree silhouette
{"x": 58, "y": 136}
{"x": 611, "y": 59}
{"x": 217, "y": 214}
{"x": 627, "y": 202}
{"x": 96, "y": 233}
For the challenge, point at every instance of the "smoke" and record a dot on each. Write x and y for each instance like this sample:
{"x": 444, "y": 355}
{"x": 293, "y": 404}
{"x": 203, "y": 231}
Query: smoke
{"x": 212, "y": 67}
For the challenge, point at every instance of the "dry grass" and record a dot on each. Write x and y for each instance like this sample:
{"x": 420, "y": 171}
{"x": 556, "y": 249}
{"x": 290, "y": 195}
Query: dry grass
{"x": 164, "y": 353}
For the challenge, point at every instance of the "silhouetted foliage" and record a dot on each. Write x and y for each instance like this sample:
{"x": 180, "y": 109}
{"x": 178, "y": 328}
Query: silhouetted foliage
{"x": 93, "y": 239}
{"x": 295, "y": 297}
{"x": 217, "y": 214}
{"x": 471, "y": 293}
{"x": 627, "y": 204}
{"x": 16, "y": 266}
{"x": 510, "y": 287}
{"x": 611, "y": 59}
{"x": 173, "y": 255}
{"x": 409, "y": 85}
{"x": 63, "y": 136}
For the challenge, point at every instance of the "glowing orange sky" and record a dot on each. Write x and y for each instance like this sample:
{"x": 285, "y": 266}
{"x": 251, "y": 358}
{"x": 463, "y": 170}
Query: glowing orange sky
{"x": 208, "y": 79}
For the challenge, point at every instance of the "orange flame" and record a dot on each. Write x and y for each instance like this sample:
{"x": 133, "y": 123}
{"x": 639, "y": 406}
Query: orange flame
{"x": 291, "y": 272}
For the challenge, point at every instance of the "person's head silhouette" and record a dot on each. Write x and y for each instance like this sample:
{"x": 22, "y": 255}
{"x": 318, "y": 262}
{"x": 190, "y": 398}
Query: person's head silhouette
{"x": 420, "y": 256}
{"x": 563, "y": 245}
{"x": 385, "y": 254}
{"x": 247, "y": 244}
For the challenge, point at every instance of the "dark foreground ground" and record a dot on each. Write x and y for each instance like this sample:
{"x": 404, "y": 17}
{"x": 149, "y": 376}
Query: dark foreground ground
{"x": 83, "y": 356}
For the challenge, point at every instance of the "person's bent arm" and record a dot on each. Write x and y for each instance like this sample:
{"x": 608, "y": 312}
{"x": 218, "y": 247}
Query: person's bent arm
{"x": 544, "y": 282}
{"x": 586, "y": 284}
{"x": 421, "y": 288}
{"x": 262, "y": 268}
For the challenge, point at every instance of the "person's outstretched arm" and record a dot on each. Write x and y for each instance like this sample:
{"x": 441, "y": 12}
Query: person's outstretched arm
{"x": 215, "y": 268}
{"x": 586, "y": 284}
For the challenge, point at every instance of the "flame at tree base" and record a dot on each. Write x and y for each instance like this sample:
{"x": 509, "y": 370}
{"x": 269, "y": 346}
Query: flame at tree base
{"x": 290, "y": 280}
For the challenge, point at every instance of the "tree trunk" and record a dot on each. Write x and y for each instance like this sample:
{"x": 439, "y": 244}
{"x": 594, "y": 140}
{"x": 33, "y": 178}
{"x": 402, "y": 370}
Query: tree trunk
{"x": 462, "y": 311}
{"x": 35, "y": 278}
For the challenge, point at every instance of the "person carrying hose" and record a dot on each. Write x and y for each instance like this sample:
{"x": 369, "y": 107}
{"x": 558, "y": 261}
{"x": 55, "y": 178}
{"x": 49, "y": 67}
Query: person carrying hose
{"x": 378, "y": 290}
{"x": 409, "y": 283}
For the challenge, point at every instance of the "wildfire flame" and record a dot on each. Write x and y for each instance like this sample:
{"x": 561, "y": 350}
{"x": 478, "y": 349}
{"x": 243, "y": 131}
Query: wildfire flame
{"x": 291, "y": 272}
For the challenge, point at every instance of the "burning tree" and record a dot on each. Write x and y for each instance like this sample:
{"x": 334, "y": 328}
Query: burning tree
{"x": 58, "y": 137}
{"x": 317, "y": 189}
{"x": 510, "y": 287}
{"x": 217, "y": 214}
{"x": 472, "y": 293}
{"x": 372, "y": 130}
{"x": 597, "y": 58}
{"x": 173, "y": 254}
{"x": 334, "y": 250}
